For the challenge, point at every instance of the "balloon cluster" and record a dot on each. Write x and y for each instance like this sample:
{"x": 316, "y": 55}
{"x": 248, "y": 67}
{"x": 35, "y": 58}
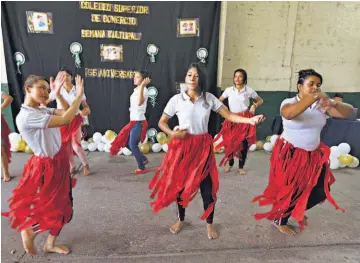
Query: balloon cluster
{"x": 102, "y": 143}
{"x": 99, "y": 142}
{"x": 161, "y": 143}
{"x": 340, "y": 157}
{"x": 267, "y": 145}
{"x": 18, "y": 144}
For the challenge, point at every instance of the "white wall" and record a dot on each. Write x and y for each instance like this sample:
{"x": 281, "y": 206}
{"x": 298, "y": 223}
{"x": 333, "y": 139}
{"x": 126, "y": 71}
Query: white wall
{"x": 273, "y": 40}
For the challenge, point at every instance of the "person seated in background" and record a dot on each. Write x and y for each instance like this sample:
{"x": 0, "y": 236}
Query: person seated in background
{"x": 338, "y": 97}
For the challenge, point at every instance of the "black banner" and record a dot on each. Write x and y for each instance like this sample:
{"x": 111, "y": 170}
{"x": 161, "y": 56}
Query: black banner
{"x": 90, "y": 23}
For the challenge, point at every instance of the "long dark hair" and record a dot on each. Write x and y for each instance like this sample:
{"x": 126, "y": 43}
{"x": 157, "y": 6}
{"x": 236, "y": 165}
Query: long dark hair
{"x": 243, "y": 73}
{"x": 202, "y": 78}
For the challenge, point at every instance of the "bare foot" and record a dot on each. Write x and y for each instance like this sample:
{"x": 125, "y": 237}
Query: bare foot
{"x": 212, "y": 234}
{"x": 286, "y": 229}
{"x": 28, "y": 237}
{"x": 227, "y": 169}
{"x": 56, "y": 249}
{"x": 304, "y": 221}
{"x": 86, "y": 170}
{"x": 7, "y": 178}
{"x": 176, "y": 227}
{"x": 242, "y": 172}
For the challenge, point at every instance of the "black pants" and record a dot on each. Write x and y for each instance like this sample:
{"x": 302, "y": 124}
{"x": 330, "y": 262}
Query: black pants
{"x": 205, "y": 190}
{"x": 244, "y": 152}
{"x": 317, "y": 196}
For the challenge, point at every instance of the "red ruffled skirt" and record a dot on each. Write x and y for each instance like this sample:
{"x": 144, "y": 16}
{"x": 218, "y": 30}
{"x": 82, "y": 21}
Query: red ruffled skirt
{"x": 122, "y": 138}
{"x": 233, "y": 136}
{"x": 294, "y": 171}
{"x": 5, "y": 142}
{"x": 186, "y": 164}
{"x": 43, "y": 195}
{"x": 69, "y": 132}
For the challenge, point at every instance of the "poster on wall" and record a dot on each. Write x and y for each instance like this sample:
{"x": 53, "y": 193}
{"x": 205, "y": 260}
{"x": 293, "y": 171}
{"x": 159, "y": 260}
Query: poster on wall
{"x": 188, "y": 27}
{"x": 39, "y": 22}
{"x": 111, "y": 53}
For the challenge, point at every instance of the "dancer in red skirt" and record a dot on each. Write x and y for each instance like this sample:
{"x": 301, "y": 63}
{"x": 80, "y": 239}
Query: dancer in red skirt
{"x": 42, "y": 200}
{"x": 237, "y": 137}
{"x": 300, "y": 177}
{"x": 190, "y": 163}
{"x": 72, "y": 132}
{"x": 5, "y": 143}
{"x": 135, "y": 131}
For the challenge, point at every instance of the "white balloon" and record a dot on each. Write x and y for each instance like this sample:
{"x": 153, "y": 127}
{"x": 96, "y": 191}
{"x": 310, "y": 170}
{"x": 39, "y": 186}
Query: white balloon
{"x": 13, "y": 149}
{"x": 268, "y": 146}
{"x": 252, "y": 148}
{"x": 342, "y": 165}
{"x": 344, "y": 148}
{"x": 101, "y": 147}
{"x": 84, "y": 145}
{"x": 156, "y": 147}
{"x": 334, "y": 163}
{"x": 335, "y": 152}
{"x": 165, "y": 147}
{"x": 107, "y": 147}
{"x": 14, "y": 137}
{"x": 92, "y": 147}
{"x": 104, "y": 140}
{"x": 97, "y": 137}
{"x": 126, "y": 152}
{"x": 273, "y": 139}
{"x": 120, "y": 152}
{"x": 355, "y": 163}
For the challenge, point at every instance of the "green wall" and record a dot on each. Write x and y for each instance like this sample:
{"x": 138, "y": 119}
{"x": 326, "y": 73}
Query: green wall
{"x": 7, "y": 112}
{"x": 273, "y": 99}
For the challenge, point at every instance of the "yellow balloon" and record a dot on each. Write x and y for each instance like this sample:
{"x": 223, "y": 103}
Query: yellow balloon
{"x": 268, "y": 139}
{"x": 145, "y": 148}
{"x": 28, "y": 150}
{"x": 20, "y": 146}
{"x": 161, "y": 137}
{"x": 109, "y": 134}
{"x": 346, "y": 159}
{"x": 164, "y": 141}
{"x": 259, "y": 145}
{"x": 90, "y": 140}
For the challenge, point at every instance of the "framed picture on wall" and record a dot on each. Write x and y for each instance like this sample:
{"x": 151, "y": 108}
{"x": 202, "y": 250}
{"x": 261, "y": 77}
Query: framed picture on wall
{"x": 180, "y": 87}
{"x": 39, "y": 22}
{"x": 111, "y": 53}
{"x": 188, "y": 27}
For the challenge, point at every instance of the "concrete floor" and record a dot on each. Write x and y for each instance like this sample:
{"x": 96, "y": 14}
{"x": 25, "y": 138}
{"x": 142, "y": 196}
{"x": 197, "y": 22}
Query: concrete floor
{"x": 113, "y": 221}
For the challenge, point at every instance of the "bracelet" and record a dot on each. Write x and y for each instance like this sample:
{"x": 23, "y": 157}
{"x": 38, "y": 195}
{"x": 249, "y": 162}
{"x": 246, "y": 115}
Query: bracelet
{"x": 254, "y": 104}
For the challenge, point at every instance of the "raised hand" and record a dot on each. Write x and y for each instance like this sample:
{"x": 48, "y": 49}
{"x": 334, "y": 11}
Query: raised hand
{"x": 145, "y": 82}
{"x": 79, "y": 84}
{"x": 257, "y": 119}
{"x": 58, "y": 83}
